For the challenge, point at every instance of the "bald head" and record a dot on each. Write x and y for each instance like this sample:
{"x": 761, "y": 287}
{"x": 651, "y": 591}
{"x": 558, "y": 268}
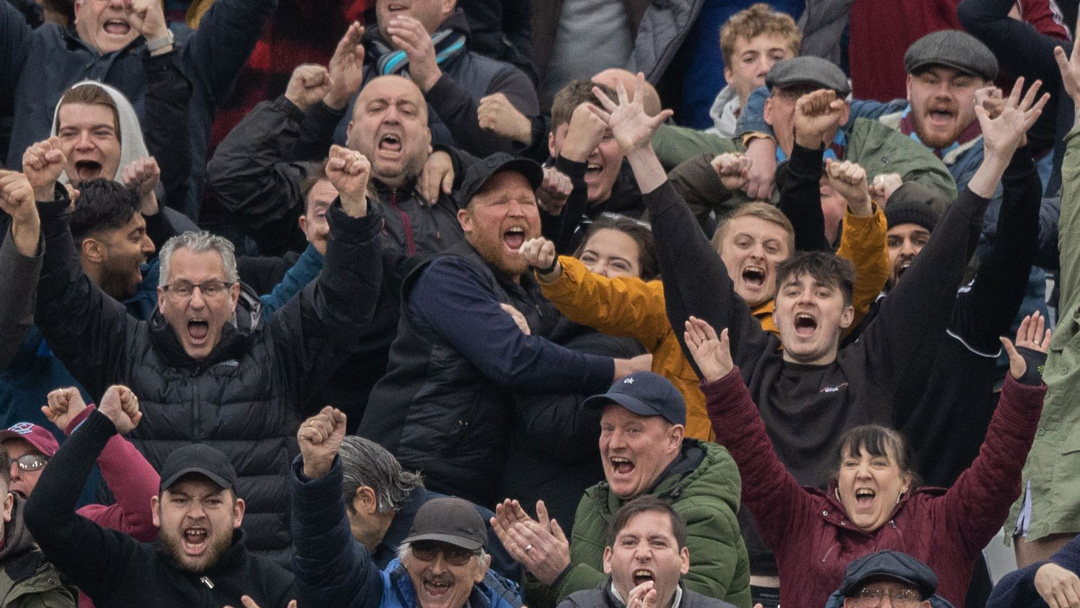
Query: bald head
{"x": 389, "y": 127}
{"x": 612, "y": 76}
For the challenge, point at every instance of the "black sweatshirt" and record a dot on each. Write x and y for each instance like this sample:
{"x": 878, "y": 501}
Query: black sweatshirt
{"x": 807, "y": 408}
{"x": 115, "y": 569}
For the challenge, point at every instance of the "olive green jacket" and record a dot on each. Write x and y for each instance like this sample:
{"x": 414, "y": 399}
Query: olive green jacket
{"x": 876, "y": 147}
{"x": 26, "y": 579}
{"x": 1052, "y": 472}
{"x": 707, "y": 497}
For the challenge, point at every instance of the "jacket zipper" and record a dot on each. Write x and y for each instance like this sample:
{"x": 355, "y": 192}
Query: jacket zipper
{"x": 406, "y": 223}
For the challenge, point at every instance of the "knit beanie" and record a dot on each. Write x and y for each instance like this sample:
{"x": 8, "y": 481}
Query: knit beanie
{"x": 907, "y": 212}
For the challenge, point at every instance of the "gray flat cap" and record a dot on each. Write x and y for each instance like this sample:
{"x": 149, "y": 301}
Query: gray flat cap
{"x": 808, "y": 70}
{"x": 954, "y": 49}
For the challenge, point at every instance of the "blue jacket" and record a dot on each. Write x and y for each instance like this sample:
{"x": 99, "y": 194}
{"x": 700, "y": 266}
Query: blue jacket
{"x": 38, "y": 65}
{"x": 333, "y": 569}
{"x": 1017, "y": 589}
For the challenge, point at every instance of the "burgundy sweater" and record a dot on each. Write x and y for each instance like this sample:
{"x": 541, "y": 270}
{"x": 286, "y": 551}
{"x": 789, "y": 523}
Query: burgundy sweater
{"x": 809, "y": 531}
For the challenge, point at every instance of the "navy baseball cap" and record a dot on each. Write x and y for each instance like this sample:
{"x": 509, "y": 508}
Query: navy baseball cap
{"x": 645, "y": 394}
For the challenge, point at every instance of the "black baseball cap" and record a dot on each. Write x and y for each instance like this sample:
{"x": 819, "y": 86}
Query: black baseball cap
{"x": 645, "y": 394}
{"x": 892, "y": 565}
{"x": 449, "y": 520}
{"x": 201, "y": 459}
{"x": 481, "y": 171}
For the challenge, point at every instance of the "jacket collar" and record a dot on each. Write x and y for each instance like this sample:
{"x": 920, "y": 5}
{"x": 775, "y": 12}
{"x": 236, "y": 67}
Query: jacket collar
{"x": 235, "y": 337}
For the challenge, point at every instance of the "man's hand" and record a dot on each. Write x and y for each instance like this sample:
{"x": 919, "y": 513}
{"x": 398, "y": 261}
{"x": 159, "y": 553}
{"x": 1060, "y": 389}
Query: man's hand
{"x": 711, "y": 353}
{"x": 346, "y": 68}
{"x": 884, "y": 185}
{"x": 121, "y": 406}
{"x": 64, "y": 405}
{"x": 1058, "y": 587}
{"x": 409, "y": 35}
{"x": 1070, "y": 71}
{"x": 436, "y": 176}
{"x": 849, "y": 180}
{"x": 1004, "y": 134}
{"x": 17, "y": 200}
{"x": 554, "y": 192}
{"x": 147, "y": 17}
{"x": 43, "y": 163}
{"x": 632, "y": 128}
{"x": 143, "y": 175}
{"x": 320, "y": 441}
{"x": 991, "y": 99}
{"x": 247, "y": 602}
{"x": 539, "y": 546}
{"x": 815, "y": 114}
{"x": 308, "y": 84}
{"x": 348, "y": 171}
{"x": 540, "y": 254}
{"x": 761, "y": 151}
{"x": 498, "y": 115}
{"x": 643, "y": 596}
{"x": 1032, "y": 334}
{"x": 733, "y": 169}
{"x": 519, "y": 319}
{"x": 586, "y": 131}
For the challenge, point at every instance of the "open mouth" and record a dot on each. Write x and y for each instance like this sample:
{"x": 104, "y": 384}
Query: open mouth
{"x": 642, "y": 576}
{"x": 87, "y": 169}
{"x": 390, "y": 142}
{"x": 514, "y": 238}
{"x": 198, "y": 329}
{"x": 805, "y": 325}
{"x": 437, "y": 589}
{"x": 902, "y": 268}
{"x": 194, "y": 540}
{"x": 864, "y": 497}
{"x": 592, "y": 171}
{"x": 621, "y": 465}
{"x": 941, "y": 116}
{"x": 116, "y": 27}
{"x": 754, "y": 275}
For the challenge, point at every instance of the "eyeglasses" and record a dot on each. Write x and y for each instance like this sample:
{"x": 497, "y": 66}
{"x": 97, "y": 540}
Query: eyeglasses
{"x": 871, "y": 598}
{"x": 183, "y": 290}
{"x": 427, "y": 550}
{"x": 30, "y": 462}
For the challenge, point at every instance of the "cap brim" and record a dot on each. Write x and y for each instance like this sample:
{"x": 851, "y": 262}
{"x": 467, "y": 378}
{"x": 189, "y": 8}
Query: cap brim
{"x": 630, "y": 402}
{"x": 963, "y": 69}
{"x": 530, "y": 169}
{"x": 450, "y": 539}
{"x": 9, "y": 434}
{"x": 219, "y": 480}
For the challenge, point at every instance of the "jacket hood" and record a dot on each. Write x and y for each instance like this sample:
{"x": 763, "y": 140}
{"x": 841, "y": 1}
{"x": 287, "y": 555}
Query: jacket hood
{"x": 132, "y": 145}
{"x": 724, "y": 112}
{"x": 716, "y": 475}
{"x": 235, "y": 336}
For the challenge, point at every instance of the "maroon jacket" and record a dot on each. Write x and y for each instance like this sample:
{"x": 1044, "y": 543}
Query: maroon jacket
{"x": 808, "y": 528}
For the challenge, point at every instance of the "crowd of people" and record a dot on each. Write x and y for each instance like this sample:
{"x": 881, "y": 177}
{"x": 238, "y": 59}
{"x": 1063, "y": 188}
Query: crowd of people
{"x": 575, "y": 304}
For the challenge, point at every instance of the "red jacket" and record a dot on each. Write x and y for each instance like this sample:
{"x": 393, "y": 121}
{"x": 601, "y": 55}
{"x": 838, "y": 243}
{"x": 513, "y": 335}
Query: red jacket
{"x": 808, "y": 529}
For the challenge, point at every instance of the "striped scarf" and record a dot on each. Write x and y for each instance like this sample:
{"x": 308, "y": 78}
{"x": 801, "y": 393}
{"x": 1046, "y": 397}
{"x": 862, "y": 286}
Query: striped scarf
{"x": 448, "y": 43}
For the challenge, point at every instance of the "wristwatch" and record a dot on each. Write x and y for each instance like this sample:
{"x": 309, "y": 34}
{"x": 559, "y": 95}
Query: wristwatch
{"x": 160, "y": 43}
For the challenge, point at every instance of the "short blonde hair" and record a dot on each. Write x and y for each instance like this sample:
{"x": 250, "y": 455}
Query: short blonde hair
{"x": 754, "y": 21}
{"x": 762, "y": 211}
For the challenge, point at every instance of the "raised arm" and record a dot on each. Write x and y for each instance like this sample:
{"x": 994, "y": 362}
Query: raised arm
{"x": 978, "y": 503}
{"x": 332, "y": 568}
{"x": 86, "y": 328}
{"x": 1069, "y": 224}
{"x": 695, "y": 279}
{"x": 82, "y": 550}
{"x": 912, "y": 320}
{"x": 20, "y": 262}
{"x": 771, "y": 493}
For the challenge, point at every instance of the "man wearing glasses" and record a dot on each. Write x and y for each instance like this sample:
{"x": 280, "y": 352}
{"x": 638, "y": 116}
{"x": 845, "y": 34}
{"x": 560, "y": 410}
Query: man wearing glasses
{"x": 208, "y": 365}
{"x": 887, "y": 578}
{"x": 442, "y": 563}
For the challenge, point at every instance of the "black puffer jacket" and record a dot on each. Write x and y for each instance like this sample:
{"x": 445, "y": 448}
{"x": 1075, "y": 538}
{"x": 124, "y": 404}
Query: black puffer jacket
{"x": 245, "y": 397}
